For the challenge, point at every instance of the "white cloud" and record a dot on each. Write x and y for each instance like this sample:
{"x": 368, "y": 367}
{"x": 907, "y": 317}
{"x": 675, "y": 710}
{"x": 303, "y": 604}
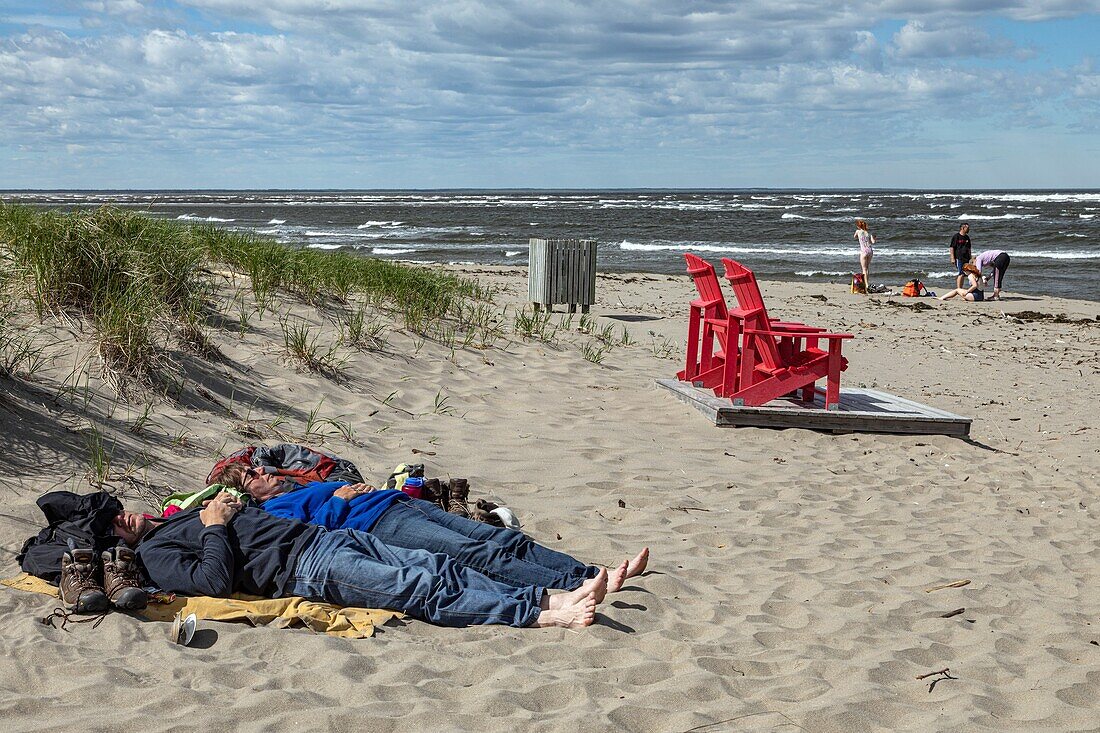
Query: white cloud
{"x": 470, "y": 78}
{"x": 917, "y": 41}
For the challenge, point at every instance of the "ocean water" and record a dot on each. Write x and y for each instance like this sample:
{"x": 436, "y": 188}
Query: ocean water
{"x": 1053, "y": 237}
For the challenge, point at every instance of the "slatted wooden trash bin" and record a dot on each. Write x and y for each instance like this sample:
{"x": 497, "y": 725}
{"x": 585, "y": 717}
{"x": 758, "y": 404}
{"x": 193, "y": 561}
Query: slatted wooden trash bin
{"x": 562, "y": 271}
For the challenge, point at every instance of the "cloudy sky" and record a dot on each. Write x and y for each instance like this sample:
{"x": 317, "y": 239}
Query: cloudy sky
{"x": 534, "y": 93}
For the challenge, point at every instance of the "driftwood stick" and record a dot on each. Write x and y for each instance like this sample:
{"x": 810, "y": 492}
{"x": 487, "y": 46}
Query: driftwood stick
{"x": 956, "y": 584}
{"x": 945, "y": 670}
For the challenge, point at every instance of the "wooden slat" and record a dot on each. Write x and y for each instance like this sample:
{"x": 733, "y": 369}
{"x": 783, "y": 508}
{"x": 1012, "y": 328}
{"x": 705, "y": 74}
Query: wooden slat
{"x": 860, "y": 411}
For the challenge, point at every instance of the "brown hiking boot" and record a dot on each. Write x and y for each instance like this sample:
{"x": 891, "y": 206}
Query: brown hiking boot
{"x": 121, "y": 579}
{"x": 80, "y": 588}
{"x": 458, "y": 491}
{"x": 434, "y": 493}
{"x": 483, "y": 512}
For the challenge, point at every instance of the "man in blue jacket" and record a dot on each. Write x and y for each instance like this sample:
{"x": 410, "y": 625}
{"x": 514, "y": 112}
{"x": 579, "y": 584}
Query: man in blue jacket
{"x": 223, "y": 548}
{"x": 506, "y": 555}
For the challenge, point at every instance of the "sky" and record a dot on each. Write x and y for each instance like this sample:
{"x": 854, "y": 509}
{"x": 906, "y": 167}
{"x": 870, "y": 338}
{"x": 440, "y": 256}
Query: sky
{"x": 948, "y": 94}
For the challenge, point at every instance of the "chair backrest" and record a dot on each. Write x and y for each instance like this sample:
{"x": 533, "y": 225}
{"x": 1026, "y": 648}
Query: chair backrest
{"x": 751, "y": 307}
{"x": 706, "y": 283}
{"x": 745, "y": 287}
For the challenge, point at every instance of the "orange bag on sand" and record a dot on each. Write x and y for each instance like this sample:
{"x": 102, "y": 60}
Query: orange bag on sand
{"x": 913, "y": 288}
{"x": 858, "y": 286}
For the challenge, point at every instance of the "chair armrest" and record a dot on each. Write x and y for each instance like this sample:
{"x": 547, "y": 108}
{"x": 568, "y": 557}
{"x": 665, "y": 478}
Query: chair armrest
{"x": 795, "y": 325}
{"x": 809, "y": 334}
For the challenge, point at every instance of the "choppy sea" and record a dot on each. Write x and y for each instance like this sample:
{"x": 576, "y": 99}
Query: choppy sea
{"x": 1053, "y": 237}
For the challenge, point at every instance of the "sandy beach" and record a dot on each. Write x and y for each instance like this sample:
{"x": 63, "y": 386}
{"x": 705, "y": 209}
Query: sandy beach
{"x": 789, "y": 585}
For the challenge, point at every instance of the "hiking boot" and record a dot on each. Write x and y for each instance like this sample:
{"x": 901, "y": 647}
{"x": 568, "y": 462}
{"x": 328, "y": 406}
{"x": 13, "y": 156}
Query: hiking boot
{"x": 121, "y": 579}
{"x": 483, "y": 512}
{"x": 458, "y": 491}
{"x": 433, "y": 492}
{"x": 80, "y": 588}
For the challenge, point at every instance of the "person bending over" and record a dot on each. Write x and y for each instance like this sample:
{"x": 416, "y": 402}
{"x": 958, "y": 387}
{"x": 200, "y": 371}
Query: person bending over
{"x": 506, "y": 555}
{"x": 223, "y": 548}
{"x": 974, "y": 292}
{"x": 997, "y": 261}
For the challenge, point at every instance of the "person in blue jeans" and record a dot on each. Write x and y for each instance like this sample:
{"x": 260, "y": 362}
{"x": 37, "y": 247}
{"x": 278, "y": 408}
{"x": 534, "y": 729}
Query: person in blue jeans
{"x": 223, "y": 548}
{"x": 506, "y": 555}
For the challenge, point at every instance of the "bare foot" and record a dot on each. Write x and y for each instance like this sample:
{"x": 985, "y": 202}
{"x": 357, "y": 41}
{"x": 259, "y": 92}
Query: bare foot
{"x": 596, "y": 587}
{"x": 577, "y": 614}
{"x": 616, "y": 578}
{"x": 638, "y": 564}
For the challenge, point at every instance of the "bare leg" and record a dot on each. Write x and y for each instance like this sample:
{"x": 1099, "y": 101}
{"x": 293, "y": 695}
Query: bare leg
{"x": 628, "y": 569}
{"x": 952, "y": 294}
{"x": 865, "y": 263}
{"x": 595, "y": 587}
{"x": 577, "y": 614}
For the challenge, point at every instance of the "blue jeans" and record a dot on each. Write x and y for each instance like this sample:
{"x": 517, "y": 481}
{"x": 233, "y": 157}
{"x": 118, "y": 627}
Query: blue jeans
{"x": 503, "y": 554}
{"x": 352, "y": 568}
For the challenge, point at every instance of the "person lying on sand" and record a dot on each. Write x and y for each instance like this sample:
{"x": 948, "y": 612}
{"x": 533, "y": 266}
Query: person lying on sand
{"x": 223, "y": 548}
{"x": 398, "y": 520}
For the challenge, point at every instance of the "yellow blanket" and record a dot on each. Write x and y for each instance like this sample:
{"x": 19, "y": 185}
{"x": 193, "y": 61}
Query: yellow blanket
{"x": 325, "y": 618}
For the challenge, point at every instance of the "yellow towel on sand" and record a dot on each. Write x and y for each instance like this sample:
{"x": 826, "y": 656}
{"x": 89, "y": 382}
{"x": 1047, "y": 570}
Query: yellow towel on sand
{"x": 325, "y": 618}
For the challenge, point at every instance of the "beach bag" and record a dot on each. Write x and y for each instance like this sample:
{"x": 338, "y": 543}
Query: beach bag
{"x": 858, "y": 286}
{"x": 402, "y": 472}
{"x": 298, "y": 463}
{"x": 912, "y": 288}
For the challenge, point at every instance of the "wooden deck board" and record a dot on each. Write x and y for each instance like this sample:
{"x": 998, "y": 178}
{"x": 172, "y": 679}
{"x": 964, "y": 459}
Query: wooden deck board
{"x": 861, "y": 410}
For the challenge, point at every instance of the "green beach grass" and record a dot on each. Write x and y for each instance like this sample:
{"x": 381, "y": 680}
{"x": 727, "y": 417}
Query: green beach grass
{"x": 141, "y": 282}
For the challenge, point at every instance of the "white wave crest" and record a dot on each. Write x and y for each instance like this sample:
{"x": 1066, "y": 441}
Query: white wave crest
{"x": 192, "y": 217}
{"x": 390, "y": 251}
{"x": 1058, "y": 255}
{"x": 372, "y": 223}
{"x": 318, "y": 245}
{"x": 987, "y": 217}
{"x": 811, "y": 273}
{"x": 512, "y": 253}
{"x": 277, "y": 221}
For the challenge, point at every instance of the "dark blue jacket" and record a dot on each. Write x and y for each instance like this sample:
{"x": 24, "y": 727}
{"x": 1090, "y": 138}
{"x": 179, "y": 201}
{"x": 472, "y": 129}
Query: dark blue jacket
{"x": 315, "y": 503}
{"x": 255, "y": 553}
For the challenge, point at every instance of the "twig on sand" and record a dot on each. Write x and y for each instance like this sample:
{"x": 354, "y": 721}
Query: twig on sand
{"x": 686, "y": 509}
{"x": 940, "y": 674}
{"x": 951, "y": 614}
{"x": 423, "y": 452}
{"x": 956, "y": 584}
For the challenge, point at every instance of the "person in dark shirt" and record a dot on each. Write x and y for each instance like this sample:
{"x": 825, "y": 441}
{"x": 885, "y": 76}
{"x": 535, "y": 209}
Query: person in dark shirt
{"x": 223, "y": 548}
{"x": 960, "y": 253}
{"x": 398, "y": 520}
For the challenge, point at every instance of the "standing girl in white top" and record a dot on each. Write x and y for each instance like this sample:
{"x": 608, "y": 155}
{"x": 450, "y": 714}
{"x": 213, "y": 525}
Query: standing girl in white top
{"x": 866, "y": 252}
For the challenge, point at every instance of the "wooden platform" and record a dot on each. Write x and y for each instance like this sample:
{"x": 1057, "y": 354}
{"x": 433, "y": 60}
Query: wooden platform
{"x": 861, "y": 411}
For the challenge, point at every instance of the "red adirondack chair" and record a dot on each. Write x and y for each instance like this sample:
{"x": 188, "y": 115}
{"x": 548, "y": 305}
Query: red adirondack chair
{"x": 747, "y": 356}
{"x": 708, "y": 322}
{"x": 779, "y": 357}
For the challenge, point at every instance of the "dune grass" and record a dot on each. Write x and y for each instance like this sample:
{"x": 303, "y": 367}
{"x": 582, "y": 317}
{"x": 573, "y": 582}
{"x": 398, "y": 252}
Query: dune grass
{"x": 140, "y": 281}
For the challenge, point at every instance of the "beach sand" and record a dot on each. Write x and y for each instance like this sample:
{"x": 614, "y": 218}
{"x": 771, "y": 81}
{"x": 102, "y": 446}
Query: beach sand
{"x": 790, "y": 570}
